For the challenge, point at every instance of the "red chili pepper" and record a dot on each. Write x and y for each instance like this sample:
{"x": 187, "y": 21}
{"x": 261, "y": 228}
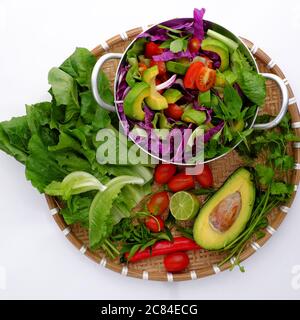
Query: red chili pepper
{"x": 165, "y": 247}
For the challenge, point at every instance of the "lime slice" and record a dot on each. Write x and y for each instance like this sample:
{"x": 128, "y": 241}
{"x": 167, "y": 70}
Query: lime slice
{"x": 184, "y": 205}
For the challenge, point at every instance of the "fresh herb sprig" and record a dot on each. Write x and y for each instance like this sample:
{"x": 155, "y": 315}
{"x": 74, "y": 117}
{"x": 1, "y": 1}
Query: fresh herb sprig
{"x": 271, "y": 190}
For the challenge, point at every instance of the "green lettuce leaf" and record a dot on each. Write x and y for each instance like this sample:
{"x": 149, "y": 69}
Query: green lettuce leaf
{"x": 80, "y": 66}
{"x": 14, "y": 138}
{"x": 41, "y": 165}
{"x": 101, "y": 221}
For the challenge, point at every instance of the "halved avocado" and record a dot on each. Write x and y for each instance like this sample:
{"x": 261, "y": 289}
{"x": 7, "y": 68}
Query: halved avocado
{"x": 155, "y": 100}
{"x": 210, "y": 44}
{"x": 224, "y": 216}
{"x": 134, "y": 100}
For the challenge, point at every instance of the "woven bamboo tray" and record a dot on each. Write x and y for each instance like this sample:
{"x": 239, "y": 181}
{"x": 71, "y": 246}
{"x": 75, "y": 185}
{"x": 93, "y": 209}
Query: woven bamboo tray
{"x": 202, "y": 263}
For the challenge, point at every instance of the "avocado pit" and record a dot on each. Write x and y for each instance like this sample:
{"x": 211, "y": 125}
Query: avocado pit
{"x": 226, "y": 212}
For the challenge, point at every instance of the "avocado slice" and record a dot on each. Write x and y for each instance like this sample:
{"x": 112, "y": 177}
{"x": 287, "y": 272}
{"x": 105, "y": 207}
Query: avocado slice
{"x": 172, "y": 95}
{"x": 155, "y": 100}
{"x": 218, "y": 47}
{"x": 225, "y": 215}
{"x": 194, "y": 116}
{"x": 204, "y": 98}
{"x": 134, "y": 100}
{"x": 177, "y": 67}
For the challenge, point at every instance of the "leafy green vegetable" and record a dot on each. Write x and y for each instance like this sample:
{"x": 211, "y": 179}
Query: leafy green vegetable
{"x": 252, "y": 84}
{"x": 100, "y": 219}
{"x": 137, "y": 48}
{"x": 233, "y": 102}
{"x": 75, "y": 183}
{"x": 178, "y": 45}
{"x": 14, "y": 138}
{"x": 133, "y": 75}
{"x": 80, "y": 66}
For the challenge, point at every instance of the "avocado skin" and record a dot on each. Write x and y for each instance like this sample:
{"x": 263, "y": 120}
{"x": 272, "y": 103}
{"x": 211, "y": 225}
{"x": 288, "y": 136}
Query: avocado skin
{"x": 134, "y": 100}
{"x": 207, "y": 237}
{"x": 218, "y": 47}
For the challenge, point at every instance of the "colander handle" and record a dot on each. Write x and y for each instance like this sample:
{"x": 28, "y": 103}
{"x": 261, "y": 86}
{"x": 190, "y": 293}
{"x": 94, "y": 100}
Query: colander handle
{"x": 94, "y": 79}
{"x": 284, "y": 104}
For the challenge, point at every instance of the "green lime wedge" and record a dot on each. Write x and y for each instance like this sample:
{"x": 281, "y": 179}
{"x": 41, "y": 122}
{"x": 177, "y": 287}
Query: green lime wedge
{"x": 184, "y": 205}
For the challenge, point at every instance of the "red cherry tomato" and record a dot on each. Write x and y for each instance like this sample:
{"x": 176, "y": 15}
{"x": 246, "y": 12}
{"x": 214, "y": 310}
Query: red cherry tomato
{"x": 142, "y": 67}
{"x": 194, "y": 44}
{"x": 174, "y": 111}
{"x": 205, "y": 178}
{"x": 176, "y": 262}
{"x": 205, "y": 79}
{"x": 181, "y": 182}
{"x": 208, "y": 63}
{"x": 189, "y": 80}
{"x": 164, "y": 172}
{"x": 158, "y": 203}
{"x": 162, "y": 70}
{"x": 154, "y": 224}
{"x": 152, "y": 49}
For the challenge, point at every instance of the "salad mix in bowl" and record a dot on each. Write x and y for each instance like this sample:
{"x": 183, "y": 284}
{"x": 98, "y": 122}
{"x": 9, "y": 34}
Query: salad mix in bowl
{"x": 183, "y": 75}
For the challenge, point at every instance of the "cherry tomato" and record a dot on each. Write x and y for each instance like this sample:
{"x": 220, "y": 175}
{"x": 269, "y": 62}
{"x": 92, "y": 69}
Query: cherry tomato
{"x": 162, "y": 70}
{"x": 152, "y": 49}
{"x": 205, "y": 79}
{"x": 194, "y": 44}
{"x": 142, "y": 67}
{"x": 189, "y": 80}
{"x": 154, "y": 224}
{"x": 208, "y": 63}
{"x": 205, "y": 178}
{"x": 174, "y": 111}
{"x": 181, "y": 182}
{"x": 176, "y": 262}
{"x": 158, "y": 203}
{"x": 164, "y": 172}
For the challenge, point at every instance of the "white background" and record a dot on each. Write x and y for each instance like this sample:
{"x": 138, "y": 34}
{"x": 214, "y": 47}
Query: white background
{"x": 35, "y": 258}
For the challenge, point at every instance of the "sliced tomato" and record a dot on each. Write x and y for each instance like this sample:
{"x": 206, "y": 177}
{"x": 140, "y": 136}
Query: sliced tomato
{"x": 158, "y": 203}
{"x": 174, "y": 111}
{"x": 162, "y": 70}
{"x": 152, "y": 49}
{"x": 205, "y": 79}
{"x": 209, "y": 63}
{"x": 205, "y": 178}
{"x": 142, "y": 67}
{"x": 189, "y": 80}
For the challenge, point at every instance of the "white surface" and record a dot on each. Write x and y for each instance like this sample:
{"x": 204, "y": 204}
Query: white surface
{"x": 36, "y": 261}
